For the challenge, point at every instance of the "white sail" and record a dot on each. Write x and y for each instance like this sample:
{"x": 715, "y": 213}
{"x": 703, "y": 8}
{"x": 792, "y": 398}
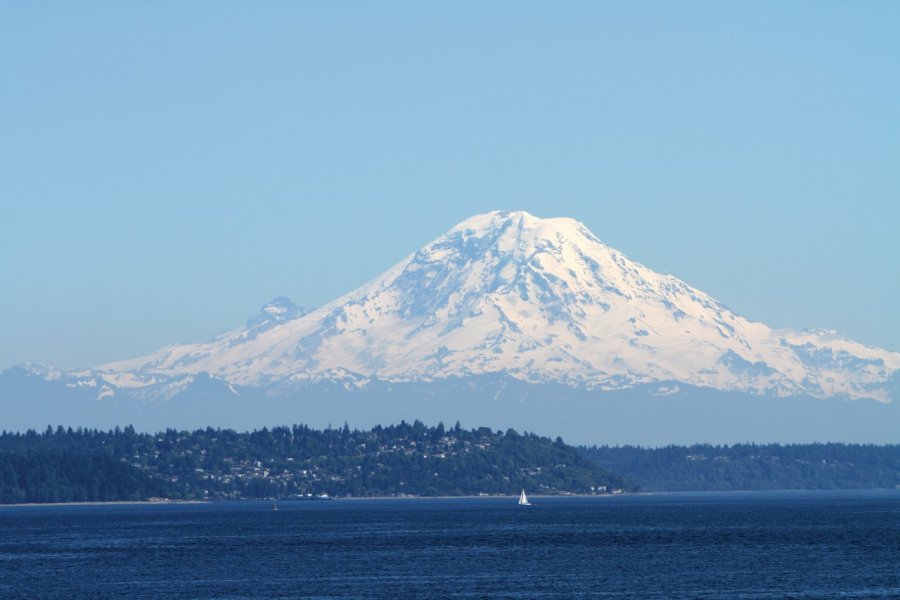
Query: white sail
{"x": 523, "y": 499}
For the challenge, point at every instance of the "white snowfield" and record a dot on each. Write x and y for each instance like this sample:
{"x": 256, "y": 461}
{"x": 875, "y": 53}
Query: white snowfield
{"x": 537, "y": 299}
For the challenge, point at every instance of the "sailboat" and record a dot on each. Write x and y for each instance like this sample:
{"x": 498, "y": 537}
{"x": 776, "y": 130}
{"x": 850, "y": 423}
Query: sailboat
{"x": 523, "y": 499}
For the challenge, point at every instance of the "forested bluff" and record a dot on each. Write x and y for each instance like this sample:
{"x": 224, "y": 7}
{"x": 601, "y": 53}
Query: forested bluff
{"x": 703, "y": 467}
{"x": 408, "y": 459}
{"x": 297, "y": 462}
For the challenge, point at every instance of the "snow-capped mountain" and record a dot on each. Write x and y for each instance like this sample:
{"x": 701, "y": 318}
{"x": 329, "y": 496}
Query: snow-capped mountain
{"x": 538, "y": 300}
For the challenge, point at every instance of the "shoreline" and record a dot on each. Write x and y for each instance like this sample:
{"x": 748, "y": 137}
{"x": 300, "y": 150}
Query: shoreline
{"x": 106, "y": 503}
{"x": 463, "y": 497}
{"x": 304, "y": 501}
{"x": 476, "y": 496}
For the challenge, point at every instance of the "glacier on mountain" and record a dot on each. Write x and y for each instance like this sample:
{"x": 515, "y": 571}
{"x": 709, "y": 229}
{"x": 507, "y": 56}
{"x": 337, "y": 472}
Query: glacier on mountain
{"x": 537, "y": 300}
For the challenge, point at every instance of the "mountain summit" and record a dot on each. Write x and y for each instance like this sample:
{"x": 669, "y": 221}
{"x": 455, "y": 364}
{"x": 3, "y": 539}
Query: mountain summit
{"x": 537, "y": 300}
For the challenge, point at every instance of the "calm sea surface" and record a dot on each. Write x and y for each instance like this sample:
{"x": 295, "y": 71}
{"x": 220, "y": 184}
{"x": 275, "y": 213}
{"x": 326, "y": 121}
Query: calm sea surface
{"x": 751, "y": 545}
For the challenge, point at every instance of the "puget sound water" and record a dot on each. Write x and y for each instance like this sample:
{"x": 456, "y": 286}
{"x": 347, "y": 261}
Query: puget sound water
{"x": 712, "y": 545}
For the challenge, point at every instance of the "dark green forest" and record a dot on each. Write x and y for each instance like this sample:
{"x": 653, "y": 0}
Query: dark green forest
{"x": 66, "y": 465}
{"x": 753, "y": 467}
{"x": 297, "y": 462}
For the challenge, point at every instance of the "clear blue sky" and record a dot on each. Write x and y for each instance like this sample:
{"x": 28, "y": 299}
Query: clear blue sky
{"x": 167, "y": 167}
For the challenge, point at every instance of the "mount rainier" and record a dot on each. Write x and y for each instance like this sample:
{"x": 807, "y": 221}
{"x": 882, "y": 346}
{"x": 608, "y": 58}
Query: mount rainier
{"x": 502, "y": 313}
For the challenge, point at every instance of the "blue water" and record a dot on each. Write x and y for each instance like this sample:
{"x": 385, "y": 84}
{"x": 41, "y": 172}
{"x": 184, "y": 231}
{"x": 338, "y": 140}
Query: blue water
{"x": 751, "y": 545}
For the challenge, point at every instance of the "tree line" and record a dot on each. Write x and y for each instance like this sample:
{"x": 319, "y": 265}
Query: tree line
{"x": 703, "y": 467}
{"x": 285, "y": 462}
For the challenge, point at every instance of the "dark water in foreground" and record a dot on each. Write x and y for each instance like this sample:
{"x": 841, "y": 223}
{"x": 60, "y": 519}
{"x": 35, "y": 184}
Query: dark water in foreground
{"x": 760, "y": 545}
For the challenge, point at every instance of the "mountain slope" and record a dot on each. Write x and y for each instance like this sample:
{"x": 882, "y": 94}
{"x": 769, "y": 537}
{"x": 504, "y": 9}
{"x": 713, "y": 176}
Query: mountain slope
{"x": 539, "y": 300}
